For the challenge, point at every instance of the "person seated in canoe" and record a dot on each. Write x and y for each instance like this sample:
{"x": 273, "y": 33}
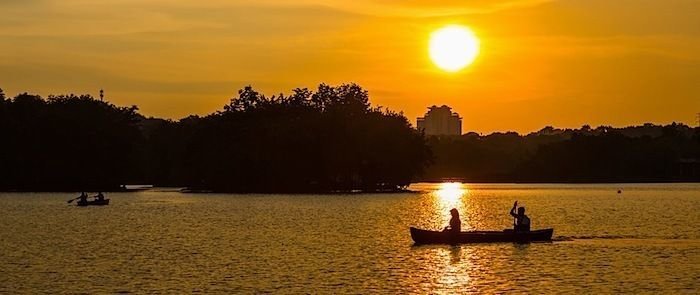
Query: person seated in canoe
{"x": 83, "y": 198}
{"x": 455, "y": 224}
{"x": 522, "y": 222}
{"x": 100, "y": 196}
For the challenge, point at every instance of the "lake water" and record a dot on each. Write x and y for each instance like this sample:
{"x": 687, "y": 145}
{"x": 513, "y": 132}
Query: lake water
{"x": 646, "y": 239}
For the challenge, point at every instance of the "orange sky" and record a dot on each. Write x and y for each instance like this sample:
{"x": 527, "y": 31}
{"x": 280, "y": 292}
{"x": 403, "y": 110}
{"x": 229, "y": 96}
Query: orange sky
{"x": 561, "y": 62}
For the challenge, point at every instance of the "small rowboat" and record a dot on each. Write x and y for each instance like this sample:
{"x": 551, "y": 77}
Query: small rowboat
{"x": 94, "y": 203}
{"x": 421, "y": 236}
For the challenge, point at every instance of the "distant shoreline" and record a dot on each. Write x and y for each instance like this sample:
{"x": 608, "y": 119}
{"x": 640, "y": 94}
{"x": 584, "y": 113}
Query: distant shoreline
{"x": 331, "y": 140}
{"x": 353, "y": 192}
{"x": 558, "y": 182}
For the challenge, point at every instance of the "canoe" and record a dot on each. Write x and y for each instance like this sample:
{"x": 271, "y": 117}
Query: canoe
{"x": 94, "y": 203}
{"x": 421, "y": 236}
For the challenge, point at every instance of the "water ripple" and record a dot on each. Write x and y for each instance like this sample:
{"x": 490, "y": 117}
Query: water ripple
{"x": 167, "y": 242}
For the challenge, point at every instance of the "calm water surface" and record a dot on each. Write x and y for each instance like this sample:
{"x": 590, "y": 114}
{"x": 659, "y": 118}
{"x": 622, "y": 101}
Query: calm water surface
{"x": 646, "y": 239}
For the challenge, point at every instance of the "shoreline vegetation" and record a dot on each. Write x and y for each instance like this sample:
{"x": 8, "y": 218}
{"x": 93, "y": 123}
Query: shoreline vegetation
{"x": 326, "y": 140}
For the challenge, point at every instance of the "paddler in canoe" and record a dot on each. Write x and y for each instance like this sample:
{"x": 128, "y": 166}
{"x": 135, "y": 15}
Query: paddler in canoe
{"x": 455, "y": 223}
{"x": 455, "y": 226}
{"x": 83, "y": 199}
{"x": 521, "y": 222}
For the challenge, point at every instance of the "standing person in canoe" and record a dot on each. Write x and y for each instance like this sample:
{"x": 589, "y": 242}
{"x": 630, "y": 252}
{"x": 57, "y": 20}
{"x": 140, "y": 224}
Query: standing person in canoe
{"x": 522, "y": 222}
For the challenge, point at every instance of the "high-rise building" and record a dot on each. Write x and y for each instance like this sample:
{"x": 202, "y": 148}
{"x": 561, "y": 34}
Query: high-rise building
{"x": 440, "y": 121}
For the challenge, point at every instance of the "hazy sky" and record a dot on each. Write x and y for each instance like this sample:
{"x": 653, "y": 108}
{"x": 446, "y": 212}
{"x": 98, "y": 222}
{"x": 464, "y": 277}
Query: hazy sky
{"x": 561, "y": 62}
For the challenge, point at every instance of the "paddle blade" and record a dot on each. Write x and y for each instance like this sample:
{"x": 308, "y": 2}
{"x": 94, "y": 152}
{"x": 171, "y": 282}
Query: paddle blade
{"x": 71, "y": 201}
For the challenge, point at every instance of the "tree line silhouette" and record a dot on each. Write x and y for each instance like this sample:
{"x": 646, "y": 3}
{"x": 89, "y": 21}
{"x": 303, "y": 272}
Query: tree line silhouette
{"x": 647, "y": 153}
{"x": 325, "y": 140}
{"x": 330, "y": 139}
{"x": 66, "y": 142}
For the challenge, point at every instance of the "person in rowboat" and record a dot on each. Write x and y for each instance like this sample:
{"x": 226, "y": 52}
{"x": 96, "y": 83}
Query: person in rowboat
{"x": 455, "y": 223}
{"x": 100, "y": 196}
{"x": 522, "y": 222}
{"x": 83, "y": 198}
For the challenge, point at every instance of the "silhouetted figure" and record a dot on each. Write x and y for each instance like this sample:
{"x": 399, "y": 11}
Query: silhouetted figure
{"x": 522, "y": 222}
{"x": 455, "y": 223}
{"x": 100, "y": 197}
{"x": 83, "y": 198}
{"x": 619, "y": 191}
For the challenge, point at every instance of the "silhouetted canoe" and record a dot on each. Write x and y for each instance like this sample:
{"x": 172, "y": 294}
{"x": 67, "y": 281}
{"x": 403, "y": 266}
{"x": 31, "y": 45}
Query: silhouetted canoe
{"x": 421, "y": 236}
{"x": 94, "y": 203}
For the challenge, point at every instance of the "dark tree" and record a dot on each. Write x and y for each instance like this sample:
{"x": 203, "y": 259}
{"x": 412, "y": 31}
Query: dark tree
{"x": 327, "y": 140}
{"x": 647, "y": 153}
{"x": 67, "y": 142}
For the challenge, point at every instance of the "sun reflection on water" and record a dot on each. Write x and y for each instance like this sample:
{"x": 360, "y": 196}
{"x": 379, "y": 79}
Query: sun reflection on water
{"x": 450, "y": 194}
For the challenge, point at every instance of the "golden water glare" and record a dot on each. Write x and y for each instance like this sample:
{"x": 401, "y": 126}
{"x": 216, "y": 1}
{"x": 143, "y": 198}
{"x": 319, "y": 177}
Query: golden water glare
{"x": 450, "y": 195}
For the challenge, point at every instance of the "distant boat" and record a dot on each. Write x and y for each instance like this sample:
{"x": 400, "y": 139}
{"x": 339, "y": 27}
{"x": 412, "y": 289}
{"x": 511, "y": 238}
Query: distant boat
{"x": 94, "y": 203}
{"x": 421, "y": 236}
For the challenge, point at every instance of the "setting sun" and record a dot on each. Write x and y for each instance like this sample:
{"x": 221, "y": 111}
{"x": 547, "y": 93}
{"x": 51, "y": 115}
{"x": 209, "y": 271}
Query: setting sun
{"x": 453, "y": 47}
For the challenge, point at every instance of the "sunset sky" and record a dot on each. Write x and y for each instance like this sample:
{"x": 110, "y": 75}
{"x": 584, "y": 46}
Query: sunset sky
{"x": 561, "y": 62}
